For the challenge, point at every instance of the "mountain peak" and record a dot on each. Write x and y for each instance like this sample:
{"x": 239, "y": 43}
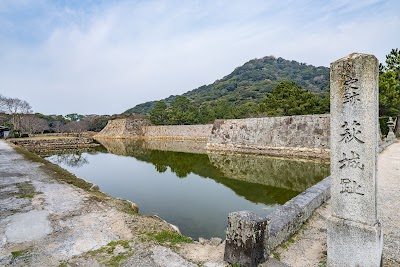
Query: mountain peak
{"x": 252, "y": 81}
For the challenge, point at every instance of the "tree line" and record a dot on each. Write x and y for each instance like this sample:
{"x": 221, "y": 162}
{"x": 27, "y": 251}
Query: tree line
{"x": 286, "y": 99}
{"x": 18, "y": 115}
{"x": 389, "y": 85}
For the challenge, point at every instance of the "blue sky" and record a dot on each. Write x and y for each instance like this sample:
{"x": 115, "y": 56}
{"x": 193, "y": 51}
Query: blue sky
{"x": 104, "y": 57}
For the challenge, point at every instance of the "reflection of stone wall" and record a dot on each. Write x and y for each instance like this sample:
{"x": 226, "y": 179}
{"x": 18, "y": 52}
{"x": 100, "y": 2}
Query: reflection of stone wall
{"x": 277, "y": 172}
{"x": 187, "y": 146}
{"x": 123, "y": 147}
{"x": 130, "y": 147}
{"x": 295, "y": 135}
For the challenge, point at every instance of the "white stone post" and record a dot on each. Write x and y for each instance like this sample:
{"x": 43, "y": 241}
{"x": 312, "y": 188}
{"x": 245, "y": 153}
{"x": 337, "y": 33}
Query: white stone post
{"x": 354, "y": 235}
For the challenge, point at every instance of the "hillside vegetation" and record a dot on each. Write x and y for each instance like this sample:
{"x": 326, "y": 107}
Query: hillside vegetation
{"x": 249, "y": 84}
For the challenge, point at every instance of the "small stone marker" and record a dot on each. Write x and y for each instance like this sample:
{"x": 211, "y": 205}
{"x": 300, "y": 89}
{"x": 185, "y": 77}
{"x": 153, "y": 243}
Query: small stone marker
{"x": 390, "y": 136}
{"x": 354, "y": 235}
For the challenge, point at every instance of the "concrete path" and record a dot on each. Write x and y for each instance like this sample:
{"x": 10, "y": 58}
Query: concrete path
{"x": 308, "y": 247}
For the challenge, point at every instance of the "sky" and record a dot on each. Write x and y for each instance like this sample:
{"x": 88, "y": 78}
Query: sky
{"x": 106, "y": 56}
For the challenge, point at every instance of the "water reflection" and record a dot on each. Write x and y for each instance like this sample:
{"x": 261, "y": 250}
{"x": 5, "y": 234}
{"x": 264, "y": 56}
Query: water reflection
{"x": 186, "y": 186}
{"x": 72, "y": 160}
{"x": 296, "y": 175}
{"x": 292, "y": 174}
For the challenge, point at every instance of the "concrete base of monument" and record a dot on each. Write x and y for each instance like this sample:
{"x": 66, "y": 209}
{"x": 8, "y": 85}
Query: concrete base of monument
{"x": 353, "y": 244}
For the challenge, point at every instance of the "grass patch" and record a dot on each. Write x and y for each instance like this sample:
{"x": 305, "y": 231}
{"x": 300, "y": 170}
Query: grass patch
{"x": 123, "y": 243}
{"x": 127, "y": 208}
{"x": 288, "y": 243}
{"x": 115, "y": 260}
{"x": 26, "y": 190}
{"x": 106, "y": 255}
{"x": 277, "y": 255}
{"x": 169, "y": 237}
{"x": 110, "y": 247}
{"x": 19, "y": 253}
{"x": 322, "y": 262}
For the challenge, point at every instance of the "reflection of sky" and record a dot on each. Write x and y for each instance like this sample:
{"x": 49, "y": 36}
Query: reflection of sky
{"x": 71, "y": 160}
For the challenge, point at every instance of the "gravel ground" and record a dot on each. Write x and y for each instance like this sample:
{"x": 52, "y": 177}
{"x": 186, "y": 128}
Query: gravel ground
{"x": 308, "y": 247}
{"x": 44, "y": 222}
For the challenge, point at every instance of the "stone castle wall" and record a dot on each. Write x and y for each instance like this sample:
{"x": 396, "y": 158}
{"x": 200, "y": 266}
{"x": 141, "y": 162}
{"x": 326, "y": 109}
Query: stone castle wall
{"x": 123, "y": 128}
{"x": 306, "y": 135}
{"x": 178, "y": 132}
{"x": 140, "y": 128}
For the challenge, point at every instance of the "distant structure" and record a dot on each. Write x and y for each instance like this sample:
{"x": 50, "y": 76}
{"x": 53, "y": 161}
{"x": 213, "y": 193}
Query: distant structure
{"x": 4, "y": 132}
{"x": 391, "y": 124}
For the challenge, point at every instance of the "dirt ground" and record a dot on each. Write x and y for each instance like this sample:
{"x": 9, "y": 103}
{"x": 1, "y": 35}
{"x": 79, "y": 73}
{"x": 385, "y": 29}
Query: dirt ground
{"x": 48, "y": 222}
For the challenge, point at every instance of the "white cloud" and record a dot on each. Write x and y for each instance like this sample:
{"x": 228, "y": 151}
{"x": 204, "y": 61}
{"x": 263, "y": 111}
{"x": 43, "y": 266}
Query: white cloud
{"x": 116, "y": 56}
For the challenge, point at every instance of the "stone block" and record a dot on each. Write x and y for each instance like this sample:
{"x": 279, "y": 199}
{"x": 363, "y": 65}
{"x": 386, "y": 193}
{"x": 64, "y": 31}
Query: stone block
{"x": 244, "y": 238}
{"x": 353, "y": 244}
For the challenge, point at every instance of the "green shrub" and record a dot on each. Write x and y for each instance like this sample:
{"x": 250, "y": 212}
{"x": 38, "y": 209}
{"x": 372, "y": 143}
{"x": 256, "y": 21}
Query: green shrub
{"x": 383, "y": 124}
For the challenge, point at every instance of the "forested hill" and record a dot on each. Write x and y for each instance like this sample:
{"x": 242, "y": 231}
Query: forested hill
{"x": 250, "y": 83}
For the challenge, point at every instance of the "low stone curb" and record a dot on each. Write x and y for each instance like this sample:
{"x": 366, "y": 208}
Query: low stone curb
{"x": 288, "y": 219}
{"x": 385, "y": 145}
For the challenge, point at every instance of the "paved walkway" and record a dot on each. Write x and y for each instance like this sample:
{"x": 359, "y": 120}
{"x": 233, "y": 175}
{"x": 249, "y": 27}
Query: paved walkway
{"x": 308, "y": 247}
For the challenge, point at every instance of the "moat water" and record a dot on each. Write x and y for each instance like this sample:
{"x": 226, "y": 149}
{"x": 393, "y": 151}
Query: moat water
{"x": 191, "y": 189}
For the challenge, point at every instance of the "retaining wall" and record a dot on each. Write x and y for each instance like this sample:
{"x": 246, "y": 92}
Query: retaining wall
{"x": 55, "y": 143}
{"x": 141, "y": 128}
{"x": 123, "y": 128}
{"x": 306, "y": 135}
{"x": 178, "y": 132}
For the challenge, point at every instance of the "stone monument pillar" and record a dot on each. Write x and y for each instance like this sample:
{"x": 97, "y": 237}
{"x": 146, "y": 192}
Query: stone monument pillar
{"x": 354, "y": 236}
